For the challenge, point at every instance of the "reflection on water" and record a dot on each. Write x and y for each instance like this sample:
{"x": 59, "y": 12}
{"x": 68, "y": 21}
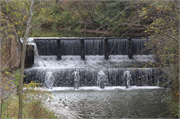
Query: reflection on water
{"x": 117, "y": 103}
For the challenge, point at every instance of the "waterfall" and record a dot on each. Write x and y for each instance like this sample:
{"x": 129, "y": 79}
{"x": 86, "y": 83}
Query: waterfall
{"x": 49, "y": 79}
{"x": 92, "y": 77}
{"x": 70, "y": 47}
{"x": 76, "y": 79}
{"x": 127, "y": 77}
{"x": 94, "y": 70}
{"x": 36, "y": 52}
{"x": 101, "y": 79}
{"x": 92, "y": 46}
{"x": 46, "y": 47}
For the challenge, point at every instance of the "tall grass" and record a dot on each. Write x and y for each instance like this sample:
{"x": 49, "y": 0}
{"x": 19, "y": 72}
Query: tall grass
{"x": 32, "y": 108}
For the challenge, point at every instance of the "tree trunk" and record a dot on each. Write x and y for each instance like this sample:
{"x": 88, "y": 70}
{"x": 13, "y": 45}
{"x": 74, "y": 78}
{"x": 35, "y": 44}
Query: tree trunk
{"x": 1, "y": 107}
{"x": 23, "y": 61}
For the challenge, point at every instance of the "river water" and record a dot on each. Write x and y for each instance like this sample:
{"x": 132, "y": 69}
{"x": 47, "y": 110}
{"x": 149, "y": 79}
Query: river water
{"x": 112, "y": 102}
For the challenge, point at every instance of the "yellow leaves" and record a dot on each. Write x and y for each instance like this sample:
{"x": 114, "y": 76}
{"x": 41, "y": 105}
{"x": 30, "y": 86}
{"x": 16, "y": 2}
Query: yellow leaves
{"x": 144, "y": 8}
{"x": 19, "y": 33}
{"x": 7, "y": 73}
{"x": 12, "y": 26}
{"x": 16, "y": 23}
{"x": 152, "y": 27}
{"x": 24, "y": 18}
{"x": 157, "y": 8}
{"x": 6, "y": 88}
{"x": 32, "y": 85}
{"x": 20, "y": 23}
{"x": 9, "y": 30}
{"x": 159, "y": 21}
{"x": 3, "y": 20}
{"x": 145, "y": 17}
{"x": 2, "y": 28}
{"x": 144, "y": 12}
{"x": 177, "y": 93}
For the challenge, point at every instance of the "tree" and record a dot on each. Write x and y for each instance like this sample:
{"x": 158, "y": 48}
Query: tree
{"x": 164, "y": 27}
{"x": 23, "y": 60}
{"x": 13, "y": 17}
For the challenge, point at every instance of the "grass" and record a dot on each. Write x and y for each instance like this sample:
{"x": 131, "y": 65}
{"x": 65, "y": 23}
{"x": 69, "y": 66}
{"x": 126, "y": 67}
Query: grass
{"x": 32, "y": 108}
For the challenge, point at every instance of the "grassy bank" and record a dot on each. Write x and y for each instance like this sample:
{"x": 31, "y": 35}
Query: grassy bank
{"x": 33, "y": 108}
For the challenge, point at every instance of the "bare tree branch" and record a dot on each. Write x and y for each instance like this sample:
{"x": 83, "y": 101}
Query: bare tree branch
{"x": 23, "y": 60}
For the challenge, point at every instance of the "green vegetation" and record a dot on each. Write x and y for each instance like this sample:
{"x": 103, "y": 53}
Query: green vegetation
{"x": 33, "y": 106}
{"x": 157, "y": 19}
{"x": 165, "y": 39}
{"x": 104, "y": 17}
{"x": 32, "y": 109}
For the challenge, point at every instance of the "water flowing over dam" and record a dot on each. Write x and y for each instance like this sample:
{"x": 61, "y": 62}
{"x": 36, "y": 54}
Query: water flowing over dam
{"x": 62, "y": 69}
{"x": 77, "y": 64}
{"x": 93, "y": 46}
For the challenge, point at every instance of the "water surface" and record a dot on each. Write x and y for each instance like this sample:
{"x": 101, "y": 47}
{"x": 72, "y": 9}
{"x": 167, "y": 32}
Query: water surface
{"x": 136, "y": 102}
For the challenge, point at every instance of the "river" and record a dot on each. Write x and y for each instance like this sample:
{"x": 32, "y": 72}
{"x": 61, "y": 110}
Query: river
{"x": 112, "y": 102}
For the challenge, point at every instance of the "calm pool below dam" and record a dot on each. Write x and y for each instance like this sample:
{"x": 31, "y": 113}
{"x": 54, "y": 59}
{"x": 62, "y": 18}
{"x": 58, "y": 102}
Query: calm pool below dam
{"x": 113, "y": 102}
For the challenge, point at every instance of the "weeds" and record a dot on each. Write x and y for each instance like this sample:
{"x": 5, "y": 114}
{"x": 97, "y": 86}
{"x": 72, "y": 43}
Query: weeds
{"x": 32, "y": 108}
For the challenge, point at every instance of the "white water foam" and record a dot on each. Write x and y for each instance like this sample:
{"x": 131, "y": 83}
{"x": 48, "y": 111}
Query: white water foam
{"x": 76, "y": 79}
{"x": 30, "y": 41}
{"x": 127, "y": 77}
{"x": 101, "y": 78}
{"x": 97, "y": 88}
{"x": 49, "y": 80}
{"x": 91, "y": 61}
{"x": 51, "y": 62}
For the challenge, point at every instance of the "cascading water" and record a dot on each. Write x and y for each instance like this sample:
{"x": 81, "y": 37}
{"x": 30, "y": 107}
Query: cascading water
{"x": 114, "y": 76}
{"x": 101, "y": 79}
{"x": 49, "y": 79}
{"x": 45, "y": 50}
{"x": 36, "y": 52}
{"x": 93, "y": 46}
{"x": 76, "y": 79}
{"x": 127, "y": 77}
